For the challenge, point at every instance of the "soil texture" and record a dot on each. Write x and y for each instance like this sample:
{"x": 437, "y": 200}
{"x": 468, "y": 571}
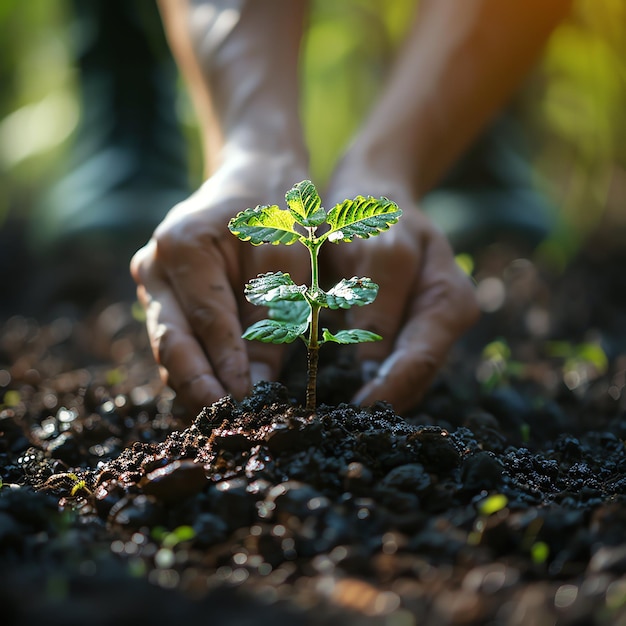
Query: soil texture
{"x": 499, "y": 499}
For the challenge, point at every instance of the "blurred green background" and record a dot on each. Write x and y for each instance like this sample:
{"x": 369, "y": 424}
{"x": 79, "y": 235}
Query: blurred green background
{"x": 573, "y": 106}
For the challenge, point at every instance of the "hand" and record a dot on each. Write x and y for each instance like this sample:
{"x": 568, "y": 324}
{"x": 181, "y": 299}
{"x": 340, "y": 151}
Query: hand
{"x": 190, "y": 279}
{"x": 424, "y": 304}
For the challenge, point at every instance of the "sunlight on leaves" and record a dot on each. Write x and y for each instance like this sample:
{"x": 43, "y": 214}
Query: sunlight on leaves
{"x": 349, "y": 292}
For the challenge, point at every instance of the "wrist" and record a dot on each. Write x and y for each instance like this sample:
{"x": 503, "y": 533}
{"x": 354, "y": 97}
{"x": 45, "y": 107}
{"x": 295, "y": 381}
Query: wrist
{"x": 256, "y": 174}
{"x": 365, "y": 170}
{"x": 271, "y": 134}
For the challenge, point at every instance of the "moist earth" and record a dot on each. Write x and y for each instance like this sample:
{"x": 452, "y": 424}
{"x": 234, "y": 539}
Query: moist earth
{"x": 500, "y": 498}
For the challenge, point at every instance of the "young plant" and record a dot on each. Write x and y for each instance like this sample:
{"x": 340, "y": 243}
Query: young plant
{"x": 294, "y": 309}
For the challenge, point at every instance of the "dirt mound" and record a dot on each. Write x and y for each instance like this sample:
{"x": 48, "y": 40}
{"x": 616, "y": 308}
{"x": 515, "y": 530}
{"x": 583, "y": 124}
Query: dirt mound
{"x": 499, "y": 499}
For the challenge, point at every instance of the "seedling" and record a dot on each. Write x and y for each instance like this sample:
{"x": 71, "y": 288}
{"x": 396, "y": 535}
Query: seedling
{"x": 294, "y": 309}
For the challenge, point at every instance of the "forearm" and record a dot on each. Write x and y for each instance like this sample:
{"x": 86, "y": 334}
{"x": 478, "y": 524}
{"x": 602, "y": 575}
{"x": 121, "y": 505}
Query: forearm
{"x": 240, "y": 61}
{"x": 460, "y": 64}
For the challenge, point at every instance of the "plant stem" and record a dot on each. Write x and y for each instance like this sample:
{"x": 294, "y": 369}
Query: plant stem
{"x": 313, "y": 345}
{"x": 313, "y": 349}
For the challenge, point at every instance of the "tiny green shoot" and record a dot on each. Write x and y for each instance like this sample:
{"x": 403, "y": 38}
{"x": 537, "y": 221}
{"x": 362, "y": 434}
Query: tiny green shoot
{"x": 294, "y": 309}
{"x": 539, "y": 552}
{"x": 492, "y": 504}
{"x": 79, "y": 485}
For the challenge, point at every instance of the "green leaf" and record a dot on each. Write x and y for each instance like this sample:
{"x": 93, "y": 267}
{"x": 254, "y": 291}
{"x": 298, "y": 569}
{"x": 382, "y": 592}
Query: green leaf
{"x": 272, "y": 331}
{"x": 11, "y": 398}
{"x": 178, "y": 535}
{"x": 465, "y": 262}
{"x": 293, "y": 312}
{"x": 305, "y": 204}
{"x": 264, "y": 224}
{"x": 350, "y": 292}
{"x": 539, "y": 552}
{"x": 354, "y": 335}
{"x": 272, "y": 287}
{"x": 497, "y": 350}
{"x": 594, "y": 354}
{"x": 361, "y": 217}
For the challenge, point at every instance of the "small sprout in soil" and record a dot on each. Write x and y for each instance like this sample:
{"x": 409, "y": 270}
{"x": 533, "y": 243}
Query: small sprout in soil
{"x": 294, "y": 309}
{"x": 539, "y": 552}
{"x": 581, "y": 362}
{"x": 497, "y": 367}
{"x": 79, "y": 485}
{"x": 492, "y": 504}
{"x": 11, "y": 399}
{"x": 171, "y": 538}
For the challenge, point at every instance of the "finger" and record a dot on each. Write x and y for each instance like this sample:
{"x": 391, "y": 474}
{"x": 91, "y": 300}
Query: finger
{"x": 443, "y": 307}
{"x": 198, "y": 275}
{"x": 183, "y": 364}
{"x": 404, "y": 376}
{"x": 394, "y": 266}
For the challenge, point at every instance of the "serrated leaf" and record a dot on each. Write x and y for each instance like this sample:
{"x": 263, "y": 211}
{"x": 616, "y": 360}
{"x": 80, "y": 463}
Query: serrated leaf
{"x": 350, "y": 292}
{"x": 305, "y": 204}
{"x": 355, "y": 335}
{"x": 272, "y": 287}
{"x": 264, "y": 224}
{"x": 294, "y": 312}
{"x": 273, "y": 331}
{"x": 361, "y": 217}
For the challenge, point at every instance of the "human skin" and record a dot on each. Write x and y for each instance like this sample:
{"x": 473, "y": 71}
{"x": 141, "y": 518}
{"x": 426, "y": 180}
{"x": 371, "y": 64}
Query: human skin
{"x": 244, "y": 83}
{"x": 459, "y": 65}
{"x": 191, "y": 273}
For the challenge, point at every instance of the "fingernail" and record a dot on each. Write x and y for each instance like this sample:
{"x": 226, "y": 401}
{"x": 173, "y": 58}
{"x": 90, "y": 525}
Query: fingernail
{"x": 369, "y": 370}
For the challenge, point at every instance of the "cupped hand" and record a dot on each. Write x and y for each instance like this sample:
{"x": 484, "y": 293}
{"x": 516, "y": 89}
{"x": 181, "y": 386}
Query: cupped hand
{"x": 424, "y": 304}
{"x": 190, "y": 278}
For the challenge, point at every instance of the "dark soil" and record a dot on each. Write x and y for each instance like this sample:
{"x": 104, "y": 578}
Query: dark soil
{"x": 500, "y": 499}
